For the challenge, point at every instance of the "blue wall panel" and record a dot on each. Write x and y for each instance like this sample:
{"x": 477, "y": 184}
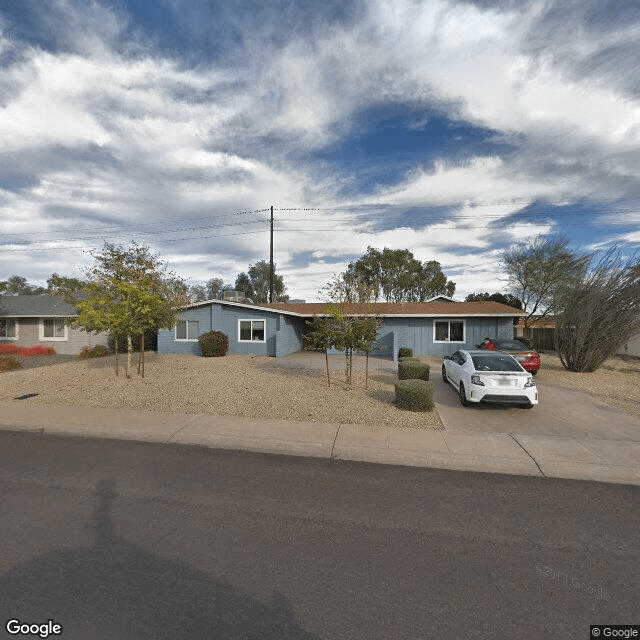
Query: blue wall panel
{"x": 283, "y": 333}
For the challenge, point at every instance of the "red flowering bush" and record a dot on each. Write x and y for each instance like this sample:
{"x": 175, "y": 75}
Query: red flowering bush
{"x": 8, "y": 349}
{"x": 7, "y": 363}
{"x": 36, "y": 350}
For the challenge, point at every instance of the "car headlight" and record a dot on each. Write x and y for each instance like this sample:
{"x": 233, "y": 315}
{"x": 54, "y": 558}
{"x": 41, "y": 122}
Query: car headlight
{"x": 530, "y": 382}
{"x": 475, "y": 379}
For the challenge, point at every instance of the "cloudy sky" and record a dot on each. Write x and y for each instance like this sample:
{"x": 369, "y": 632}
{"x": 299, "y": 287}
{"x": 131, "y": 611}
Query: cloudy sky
{"x": 451, "y": 128}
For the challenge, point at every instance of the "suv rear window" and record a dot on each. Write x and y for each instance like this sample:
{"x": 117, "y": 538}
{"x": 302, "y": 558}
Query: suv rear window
{"x": 494, "y": 362}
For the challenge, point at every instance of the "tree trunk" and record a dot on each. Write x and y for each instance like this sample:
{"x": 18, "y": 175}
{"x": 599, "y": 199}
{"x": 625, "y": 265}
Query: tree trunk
{"x": 142, "y": 353}
{"x": 117, "y": 361}
{"x": 326, "y": 359}
{"x": 366, "y": 373}
{"x": 129, "y": 352}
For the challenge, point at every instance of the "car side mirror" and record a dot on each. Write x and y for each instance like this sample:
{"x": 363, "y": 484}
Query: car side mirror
{"x": 446, "y": 357}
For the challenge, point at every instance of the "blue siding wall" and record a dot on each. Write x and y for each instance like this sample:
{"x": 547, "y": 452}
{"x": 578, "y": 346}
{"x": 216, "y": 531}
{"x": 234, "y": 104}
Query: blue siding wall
{"x": 417, "y": 334}
{"x": 166, "y": 337}
{"x": 289, "y": 335}
{"x": 284, "y": 333}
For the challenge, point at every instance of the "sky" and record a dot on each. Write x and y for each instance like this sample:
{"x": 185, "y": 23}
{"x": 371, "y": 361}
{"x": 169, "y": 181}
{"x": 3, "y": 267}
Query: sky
{"x": 452, "y": 128}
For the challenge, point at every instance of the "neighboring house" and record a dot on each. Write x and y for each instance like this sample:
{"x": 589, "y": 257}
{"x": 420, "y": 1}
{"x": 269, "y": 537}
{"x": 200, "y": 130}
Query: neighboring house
{"x": 437, "y": 327}
{"x": 29, "y": 320}
{"x": 631, "y": 347}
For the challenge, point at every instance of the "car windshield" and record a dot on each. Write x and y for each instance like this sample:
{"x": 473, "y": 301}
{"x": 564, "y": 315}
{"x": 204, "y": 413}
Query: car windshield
{"x": 509, "y": 344}
{"x": 495, "y": 362}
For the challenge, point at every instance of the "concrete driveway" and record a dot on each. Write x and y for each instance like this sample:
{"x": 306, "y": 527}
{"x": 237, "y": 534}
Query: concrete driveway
{"x": 561, "y": 411}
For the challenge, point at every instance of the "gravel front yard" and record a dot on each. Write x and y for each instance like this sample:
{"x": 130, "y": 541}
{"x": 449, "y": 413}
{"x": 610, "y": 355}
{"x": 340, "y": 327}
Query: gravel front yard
{"x": 234, "y": 385}
{"x": 263, "y": 387}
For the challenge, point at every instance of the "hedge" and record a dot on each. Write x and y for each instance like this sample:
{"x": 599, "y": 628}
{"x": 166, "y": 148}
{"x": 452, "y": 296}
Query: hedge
{"x": 405, "y": 352}
{"x": 415, "y": 395}
{"x": 409, "y": 370}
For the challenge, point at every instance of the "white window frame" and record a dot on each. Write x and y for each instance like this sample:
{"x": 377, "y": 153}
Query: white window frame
{"x": 449, "y": 321}
{"x": 187, "y": 339}
{"x": 54, "y": 338}
{"x": 16, "y": 324}
{"x": 252, "y": 320}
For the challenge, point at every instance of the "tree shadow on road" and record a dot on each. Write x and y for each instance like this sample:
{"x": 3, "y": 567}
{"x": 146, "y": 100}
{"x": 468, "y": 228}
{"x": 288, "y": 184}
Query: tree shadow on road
{"x": 115, "y": 589}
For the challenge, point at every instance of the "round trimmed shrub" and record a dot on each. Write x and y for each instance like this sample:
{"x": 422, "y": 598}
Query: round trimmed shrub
{"x": 405, "y": 352}
{"x": 408, "y": 359}
{"x": 99, "y": 351}
{"x": 213, "y": 344}
{"x": 410, "y": 370}
{"x": 415, "y": 395}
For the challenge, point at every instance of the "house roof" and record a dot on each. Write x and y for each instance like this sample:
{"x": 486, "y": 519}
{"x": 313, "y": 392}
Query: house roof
{"x": 386, "y": 309}
{"x": 399, "y": 309}
{"x": 42, "y": 306}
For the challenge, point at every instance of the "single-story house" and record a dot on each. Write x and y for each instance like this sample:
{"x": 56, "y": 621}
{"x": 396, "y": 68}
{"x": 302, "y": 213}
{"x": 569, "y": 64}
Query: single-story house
{"x": 30, "y": 320}
{"x": 439, "y": 326}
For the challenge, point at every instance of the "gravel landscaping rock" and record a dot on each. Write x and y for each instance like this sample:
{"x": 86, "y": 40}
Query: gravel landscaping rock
{"x": 254, "y": 387}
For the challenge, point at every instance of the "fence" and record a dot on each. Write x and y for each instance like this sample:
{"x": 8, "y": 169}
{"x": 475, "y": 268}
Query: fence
{"x": 543, "y": 339}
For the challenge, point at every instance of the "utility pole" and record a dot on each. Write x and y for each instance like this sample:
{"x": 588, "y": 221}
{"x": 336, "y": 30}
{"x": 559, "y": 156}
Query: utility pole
{"x": 271, "y": 261}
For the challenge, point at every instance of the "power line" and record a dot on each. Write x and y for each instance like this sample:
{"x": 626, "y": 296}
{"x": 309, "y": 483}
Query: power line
{"x": 145, "y": 224}
{"x": 104, "y": 232}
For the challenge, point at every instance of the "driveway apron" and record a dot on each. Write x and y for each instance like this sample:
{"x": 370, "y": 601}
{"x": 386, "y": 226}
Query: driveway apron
{"x": 561, "y": 412}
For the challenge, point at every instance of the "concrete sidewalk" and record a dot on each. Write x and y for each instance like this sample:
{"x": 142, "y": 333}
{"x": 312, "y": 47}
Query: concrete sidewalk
{"x": 536, "y": 455}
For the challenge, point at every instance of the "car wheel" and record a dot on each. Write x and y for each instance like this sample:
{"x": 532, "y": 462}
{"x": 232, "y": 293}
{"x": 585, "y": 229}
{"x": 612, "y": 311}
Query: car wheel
{"x": 444, "y": 374}
{"x": 463, "y": 396}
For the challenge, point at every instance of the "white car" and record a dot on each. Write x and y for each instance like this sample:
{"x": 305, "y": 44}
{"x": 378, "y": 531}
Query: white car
{"x": 489, "y": 376}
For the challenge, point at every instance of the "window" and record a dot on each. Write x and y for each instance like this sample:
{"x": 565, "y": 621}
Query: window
{"x": 449, "y": 331}
{"x": 251, "y": 330}
{"x": 8, "y": 329}
{"x": 187, "y": 330}
{"x": 53, "y": 329}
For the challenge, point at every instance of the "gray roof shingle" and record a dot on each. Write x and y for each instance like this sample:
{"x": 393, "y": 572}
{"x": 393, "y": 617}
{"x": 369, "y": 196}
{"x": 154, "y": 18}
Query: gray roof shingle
{"x": 35, "y": 307}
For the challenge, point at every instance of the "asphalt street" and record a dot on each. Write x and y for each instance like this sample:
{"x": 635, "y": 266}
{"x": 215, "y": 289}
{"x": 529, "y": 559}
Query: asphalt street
{"x": 114, "y": 539}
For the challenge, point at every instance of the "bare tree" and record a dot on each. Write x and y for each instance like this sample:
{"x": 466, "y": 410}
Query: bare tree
{"x": 541, "y": 272}
{"x": 601, "y": 312}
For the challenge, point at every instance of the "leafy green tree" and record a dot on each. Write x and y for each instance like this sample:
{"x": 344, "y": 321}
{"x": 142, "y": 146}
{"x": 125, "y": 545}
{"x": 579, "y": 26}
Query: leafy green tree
{"x": 541, "y": 273}
{"x": 364, "y": 333}
{"x": 129, "y": 293}
{"x": 215, "y": 287}
{"x": 67, "y": 288}
{"x": 243, "y": 283}
{"x": 321, "y": 336}
{"x": 508, "y": 299}
{"x": 351, "y": 332}
{"x": 18, "y": 286}
{"x": 394, "y": 275}
{"x": 259, "y": 277}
